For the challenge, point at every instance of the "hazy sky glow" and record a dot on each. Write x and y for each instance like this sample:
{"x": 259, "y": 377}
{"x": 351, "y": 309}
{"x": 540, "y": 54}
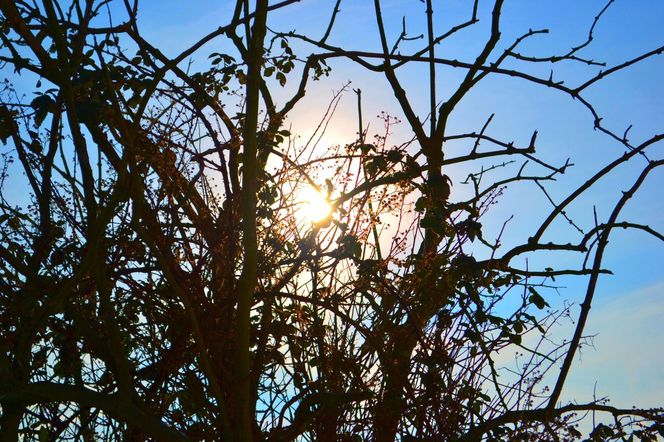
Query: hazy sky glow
{"x": 627, "y": 305}
{"x": 626, "y": 360}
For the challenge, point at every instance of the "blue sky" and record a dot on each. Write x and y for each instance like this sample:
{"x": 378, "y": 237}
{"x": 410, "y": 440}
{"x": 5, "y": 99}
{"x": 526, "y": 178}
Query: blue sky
{"x": 628, "y": 306}
{"x": 626, "y": 359}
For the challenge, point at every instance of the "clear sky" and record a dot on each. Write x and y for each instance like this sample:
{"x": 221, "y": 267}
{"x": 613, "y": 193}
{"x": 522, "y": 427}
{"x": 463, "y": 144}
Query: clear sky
{"x": 628, "y": 306}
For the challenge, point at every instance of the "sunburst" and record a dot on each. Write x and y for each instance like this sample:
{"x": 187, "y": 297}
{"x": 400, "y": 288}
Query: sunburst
{"x": 313, "y": 206}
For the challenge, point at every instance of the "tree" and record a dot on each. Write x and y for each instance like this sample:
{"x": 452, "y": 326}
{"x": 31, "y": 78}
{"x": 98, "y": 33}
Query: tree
{"x": 159, "y": 282}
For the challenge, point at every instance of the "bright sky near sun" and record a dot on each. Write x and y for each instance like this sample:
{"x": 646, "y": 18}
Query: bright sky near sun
{"x": 628, "y": 304}
{"x": 313, "y": 205}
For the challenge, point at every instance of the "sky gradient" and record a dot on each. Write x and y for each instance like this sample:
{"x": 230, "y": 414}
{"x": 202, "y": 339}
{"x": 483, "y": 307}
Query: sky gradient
{"x": 625, "y": 360}
{"x": 626, "y": 316}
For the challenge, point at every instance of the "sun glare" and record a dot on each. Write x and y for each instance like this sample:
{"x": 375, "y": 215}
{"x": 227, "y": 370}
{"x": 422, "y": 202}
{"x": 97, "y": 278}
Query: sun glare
{"x": 312, "y": 206}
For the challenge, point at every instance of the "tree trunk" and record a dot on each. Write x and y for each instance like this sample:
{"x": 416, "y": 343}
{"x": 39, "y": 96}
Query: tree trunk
{"x": 12, "y": 413}
{"x": 242, "y": 422}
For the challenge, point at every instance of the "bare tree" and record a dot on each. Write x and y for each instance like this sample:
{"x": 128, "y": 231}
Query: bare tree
{"x": 162, "y": 279}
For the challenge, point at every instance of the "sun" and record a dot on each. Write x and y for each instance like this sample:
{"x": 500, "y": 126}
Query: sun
{"x": 313, "y": 206}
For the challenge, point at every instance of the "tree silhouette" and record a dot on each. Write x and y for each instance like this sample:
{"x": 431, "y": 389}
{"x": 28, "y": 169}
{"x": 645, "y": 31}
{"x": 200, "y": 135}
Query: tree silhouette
{"x": 158, "y": 278}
